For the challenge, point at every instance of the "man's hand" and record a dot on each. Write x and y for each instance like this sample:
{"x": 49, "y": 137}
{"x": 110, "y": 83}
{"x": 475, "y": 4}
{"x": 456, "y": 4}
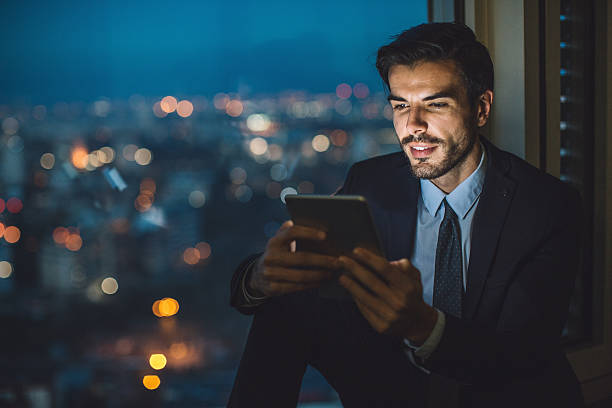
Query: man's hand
{"x": 389, "y": 295}
{"x": 281, "y": 270}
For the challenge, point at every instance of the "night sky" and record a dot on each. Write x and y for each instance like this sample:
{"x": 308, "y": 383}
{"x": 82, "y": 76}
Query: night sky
{"x": 70, "y": 50}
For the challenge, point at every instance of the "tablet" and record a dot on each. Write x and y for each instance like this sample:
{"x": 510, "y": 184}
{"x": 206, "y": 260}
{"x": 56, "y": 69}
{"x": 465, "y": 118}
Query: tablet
{"x": 346, "y": 219}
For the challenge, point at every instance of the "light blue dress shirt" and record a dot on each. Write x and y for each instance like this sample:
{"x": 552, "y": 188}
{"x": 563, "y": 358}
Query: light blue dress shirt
{"x": 430, "y": 212}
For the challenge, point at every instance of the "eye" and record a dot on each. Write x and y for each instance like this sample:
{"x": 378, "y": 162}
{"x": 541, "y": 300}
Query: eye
{"x": 438, "y": 105}
{"x": 400, "y": 106}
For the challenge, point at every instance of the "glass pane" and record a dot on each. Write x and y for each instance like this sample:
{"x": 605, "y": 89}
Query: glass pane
{"x": 144, "y": 150}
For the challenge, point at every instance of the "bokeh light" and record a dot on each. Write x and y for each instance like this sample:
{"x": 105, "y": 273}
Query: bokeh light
{"x": 14, "y": 205}
{"x": 197, "y": 199}
{"x": 60, "y": 234}
{"x": 178, "y": 350}
{"x": 287, "y": 191}
{"x": 155, "y": 308}
{"x": 343, "y": 91}
{"x": 258, "y": 122}
{"x": 109, "y": 286}
{"x": 74, "y": 242}
{"x": 129, "y": 151}
{"x": 168, "y": 104}
{"x": 79, "y": 157}
{"x": 158, "y": 111}
{"x": 234, "y": 108}
{"x": 320, "y": 143}
{"x": 151, "y": 382}
{"x": 204, "y": 249}
{"x": 2, "y": 229}
{"x": 148, "y": 186}
{"x": 339, "y": 137}
{"x": 2, "y": 205}
{"x": 361, "y": 90}
{"x": 12, "y": 234}
{"x": 10, "y": 126}
{"x": 143, "y": 156}
{"x": 191, "y": 256}
{"x": 168, "y": 307}
{"x": 258, "y": 146}
{"x": 47, "y": 161}
{"x": 220, "y": 101}
{"x": 106, "y": 154}
{"x": 184, "y": 108}
{"x": 6, "y": 269}
{"x": 157, "y": 361}
{"x": 238, "y": 175}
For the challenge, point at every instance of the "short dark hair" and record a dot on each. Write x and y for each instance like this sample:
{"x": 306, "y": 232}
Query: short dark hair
{"x": 440, "y": 42}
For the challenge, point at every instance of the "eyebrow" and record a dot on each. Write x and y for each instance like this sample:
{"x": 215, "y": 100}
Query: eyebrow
{"x": 437, "y": 95}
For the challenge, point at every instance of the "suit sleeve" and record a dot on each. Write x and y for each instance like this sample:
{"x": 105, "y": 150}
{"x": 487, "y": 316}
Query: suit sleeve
{"x": 237, "y": 296}
{"x": 532, "y": 317}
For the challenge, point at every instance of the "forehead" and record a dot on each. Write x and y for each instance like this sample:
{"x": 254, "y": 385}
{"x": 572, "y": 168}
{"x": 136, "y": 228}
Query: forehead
{"x": 429, "y": 77}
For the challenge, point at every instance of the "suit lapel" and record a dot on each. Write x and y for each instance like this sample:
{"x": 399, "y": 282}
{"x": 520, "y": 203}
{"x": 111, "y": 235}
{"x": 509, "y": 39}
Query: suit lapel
{"x": 489, "y": 219}
{"x": 401, "y": 223}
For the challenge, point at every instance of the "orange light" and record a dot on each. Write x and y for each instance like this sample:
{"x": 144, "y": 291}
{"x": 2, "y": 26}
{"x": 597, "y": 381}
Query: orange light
{"x": 155, "y": 308}
{"x": 151, "y": 382}
{"x": 143, "y": 202}
{"x": 147, "y": 185}
{"x": 79, "y": 157}
{"x": 191, "y": 256}
{"x": 59, "y": 235}
{"x": 204, "y": 249}
{"x": 168, "y": 307}
{"x": 157, "y": 361}
{"x": 168, "y": 104}
{"x": 184, "y": 108}
{"x": 74, "y": 242}
{"x": 12, "y": 234}
{"x": 234, "y": 108}
{"x": 178, "y": 350}
{"x": 338, "y": 137}
{"x": 1, "y": 229}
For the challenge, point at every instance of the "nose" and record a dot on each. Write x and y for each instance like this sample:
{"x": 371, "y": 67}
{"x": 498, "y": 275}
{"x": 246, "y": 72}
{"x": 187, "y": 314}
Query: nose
{"x": 416, "y": 124}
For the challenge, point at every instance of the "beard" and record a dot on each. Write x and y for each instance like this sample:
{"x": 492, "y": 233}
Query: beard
{"x": 454, "y": 153}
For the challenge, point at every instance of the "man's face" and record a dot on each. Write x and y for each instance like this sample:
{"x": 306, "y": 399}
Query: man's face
{"x": 432, "y": 116}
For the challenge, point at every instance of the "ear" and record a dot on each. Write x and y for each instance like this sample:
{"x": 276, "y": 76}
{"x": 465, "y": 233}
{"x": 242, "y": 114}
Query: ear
{"x": 483, "y": 108}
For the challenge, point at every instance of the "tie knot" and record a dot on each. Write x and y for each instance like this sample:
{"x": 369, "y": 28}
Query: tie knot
{"x": 448, "y": 210}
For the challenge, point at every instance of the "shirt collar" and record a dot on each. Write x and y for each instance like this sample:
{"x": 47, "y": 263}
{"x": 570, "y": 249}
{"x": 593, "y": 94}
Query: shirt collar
{"x": 462, "y": 198}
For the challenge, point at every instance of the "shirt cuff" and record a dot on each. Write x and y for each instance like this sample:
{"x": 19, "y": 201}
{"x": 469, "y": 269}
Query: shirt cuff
{"x": 418, "y": 354}
{"x": 250, "y": 299}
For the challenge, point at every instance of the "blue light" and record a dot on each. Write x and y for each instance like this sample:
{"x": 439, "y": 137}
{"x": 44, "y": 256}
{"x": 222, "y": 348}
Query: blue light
{"x": 563, "y": 72}
{"x": 563, "y": 44}
{"x": 563, "y": 17}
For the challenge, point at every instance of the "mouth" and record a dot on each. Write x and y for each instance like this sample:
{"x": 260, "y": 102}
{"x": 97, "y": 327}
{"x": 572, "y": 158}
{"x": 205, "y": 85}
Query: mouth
{"x": 420, "y": 151}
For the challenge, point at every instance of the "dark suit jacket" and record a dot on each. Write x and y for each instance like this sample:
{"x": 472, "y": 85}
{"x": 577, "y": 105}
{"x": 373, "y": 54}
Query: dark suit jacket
{"x": 505, "y": 349}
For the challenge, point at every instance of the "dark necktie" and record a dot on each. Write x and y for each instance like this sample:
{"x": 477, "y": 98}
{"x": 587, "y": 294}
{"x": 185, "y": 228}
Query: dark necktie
{"x": 448, "y": 279}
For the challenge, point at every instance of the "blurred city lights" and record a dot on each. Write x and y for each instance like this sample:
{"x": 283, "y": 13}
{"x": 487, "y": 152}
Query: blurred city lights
{"x": 15, "y": 144}
{"x": 158, "y": 111}
{"x": 168, "y": 104}
{"x": 197, "y": 199}
{"x": 273, "y": 189}
{"x": 2, "y": 229}
{"x": 178, "y": 350}
{"x": 361, "y": 91}
{"x": 106, "y": 154}
{"x": 278, "y": 172}
{"x": 343, "y": 107}
{"x": 338, "y": 137}
{"x": 307, "y": 150}
{"x": 184, "y": 109}
{"x": 234, "y": 108}
{"x": 155, "y": 308}
{"x": 204, "y": 249}
{"x": 143, "y": 156}
{"x": 258, "y": 146}
{"x": 143, "y": 202}
{"x": 129, "y": 151}
{"x": 287, "y": 191}
{"x": 305, "y": 187}
{"x": 12, "y": 234}
{"x": 343, "y": 91}
{"x": 258, "y": 122}
{"x": 47, "y": 161}
{"x": 39, "y": 112}
{"x": 168, "y": 307}
{"x": 220, "y": 101}
{"x": 79, "y": 157}
{"x": 151, "y": 382}
{"x": 14, "y": 205}
{"x": 93, "y": 159}
{"x": 109, "y": 286}
{"x": 238, "y": 175}
{"x": 10, "y": 126}
{"x": 2, "y": 205}
{"x": 157, "y": 361}
{"x": 320, "y": 143}
{"x": 243, "y": 193}
{"x": 276, "y": 151}
{"x": 191, "y": 256}
{"x": 6, "y": 269}
{"x": 147, "y": 186}
{"x": 74, "y": 242}
{"x": 59, "y": 235}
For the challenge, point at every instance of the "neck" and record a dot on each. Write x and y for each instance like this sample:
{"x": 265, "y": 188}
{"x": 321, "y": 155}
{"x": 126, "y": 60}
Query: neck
{"x": 451, "y": 179}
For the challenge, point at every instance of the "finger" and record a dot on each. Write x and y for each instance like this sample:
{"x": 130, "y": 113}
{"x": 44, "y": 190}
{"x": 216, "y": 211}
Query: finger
{"x": 286, "y": 225}
{"x": 406, "y": 268}
{"x": 374, "y": 304}
{"x": 368, "y": 258}
{"x": 281, "y": 274}
{"x": 366, "y": 277}
{"x": 303, "y": 260}
{"x": 374, "y": 320}
{"x": 282, "y": 238}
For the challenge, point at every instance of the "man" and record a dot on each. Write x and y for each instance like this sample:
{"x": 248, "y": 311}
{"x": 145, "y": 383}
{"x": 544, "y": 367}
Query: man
{"x": 482, "y": 252}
